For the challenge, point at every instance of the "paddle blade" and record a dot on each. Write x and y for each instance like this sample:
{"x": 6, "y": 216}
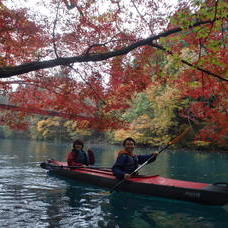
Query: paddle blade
{"x": 105, "y": 193}
{"x": 181, "y": 136}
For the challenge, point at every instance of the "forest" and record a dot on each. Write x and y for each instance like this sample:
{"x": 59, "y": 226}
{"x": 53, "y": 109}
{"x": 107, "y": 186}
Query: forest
{"x": 113, "y": 69}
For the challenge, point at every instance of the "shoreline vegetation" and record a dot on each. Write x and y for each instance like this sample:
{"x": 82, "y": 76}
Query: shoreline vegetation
{"x": 103, "y": 138}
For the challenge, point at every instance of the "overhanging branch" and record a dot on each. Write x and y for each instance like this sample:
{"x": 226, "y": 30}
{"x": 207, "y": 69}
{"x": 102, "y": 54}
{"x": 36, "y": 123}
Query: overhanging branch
{"x": 10, "y": 71}
{"x": 44, "y": 112}
{"x": 190, "y": 64}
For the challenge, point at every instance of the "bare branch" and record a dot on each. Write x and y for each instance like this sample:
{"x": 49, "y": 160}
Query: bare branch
{"x": 68, "y": 5}
{"x": 53, "y": 32}
{"x": 89, "y": 84}
{"x": 141, "y": 16}
{"x": 190, "y": 64}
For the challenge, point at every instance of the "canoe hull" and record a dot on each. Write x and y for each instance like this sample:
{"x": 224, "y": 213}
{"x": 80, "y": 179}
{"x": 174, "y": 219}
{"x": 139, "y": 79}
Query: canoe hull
{"x": 150, "y": 185}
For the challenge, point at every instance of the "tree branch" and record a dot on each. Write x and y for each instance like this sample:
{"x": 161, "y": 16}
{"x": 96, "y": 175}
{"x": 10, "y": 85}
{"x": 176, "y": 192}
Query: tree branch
{"x": 190, "y": 64}
{"x": 53, "y": 31}
{"x": 10, "y": 71}
{"x": 45, "y": 112}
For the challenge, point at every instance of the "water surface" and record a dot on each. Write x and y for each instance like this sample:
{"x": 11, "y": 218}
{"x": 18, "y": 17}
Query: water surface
{"x": 31, "y": 198}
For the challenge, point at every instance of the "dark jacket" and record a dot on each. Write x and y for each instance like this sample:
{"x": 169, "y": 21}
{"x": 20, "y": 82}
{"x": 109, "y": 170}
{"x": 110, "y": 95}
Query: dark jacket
{"x": 126, "y": 163}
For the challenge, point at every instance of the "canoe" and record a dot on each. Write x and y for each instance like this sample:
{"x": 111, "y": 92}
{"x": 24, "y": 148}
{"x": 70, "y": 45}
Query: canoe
{"x": 203, "y": 193}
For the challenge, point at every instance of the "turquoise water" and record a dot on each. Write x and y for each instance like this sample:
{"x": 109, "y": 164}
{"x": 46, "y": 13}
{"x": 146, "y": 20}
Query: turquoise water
{"x": 31, "y": 198}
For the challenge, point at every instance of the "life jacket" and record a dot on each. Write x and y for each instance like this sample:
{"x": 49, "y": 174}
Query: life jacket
{"x": 80, "y": 157}
{"x": 75, "y": 159}
{"x": 130, "y": 163}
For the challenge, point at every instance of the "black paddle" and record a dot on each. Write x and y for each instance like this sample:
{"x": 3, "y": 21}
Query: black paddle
{"x": 173, "y": 141}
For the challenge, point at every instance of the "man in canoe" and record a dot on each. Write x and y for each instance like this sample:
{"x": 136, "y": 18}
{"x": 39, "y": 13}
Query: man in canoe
{"x": 127, "y": 162}
{"x": 78, "y": 157}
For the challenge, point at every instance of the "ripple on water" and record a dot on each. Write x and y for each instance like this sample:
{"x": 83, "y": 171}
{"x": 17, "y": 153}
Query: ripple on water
{"x": 31, "y": 198}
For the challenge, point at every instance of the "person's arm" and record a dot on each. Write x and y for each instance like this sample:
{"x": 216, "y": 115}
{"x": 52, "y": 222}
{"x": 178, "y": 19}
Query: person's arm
{"x": 86, "y": 159}
{"x": 91, "y": 157}
{"x": 144, "y": 158}
{"x": 117, "y": 167}
{"x": 69, "y": 159}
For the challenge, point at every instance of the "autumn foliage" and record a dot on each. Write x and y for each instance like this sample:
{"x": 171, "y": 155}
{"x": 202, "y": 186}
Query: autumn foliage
{"x": 141, "y": 68}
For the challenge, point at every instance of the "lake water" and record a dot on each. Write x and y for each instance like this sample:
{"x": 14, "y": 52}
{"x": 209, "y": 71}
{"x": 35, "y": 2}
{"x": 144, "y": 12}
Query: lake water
{"x": 31, "y": 198}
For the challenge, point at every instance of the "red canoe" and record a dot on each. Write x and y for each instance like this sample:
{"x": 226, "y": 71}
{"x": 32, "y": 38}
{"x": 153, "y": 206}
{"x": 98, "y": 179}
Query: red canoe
{"x": 210, "y": 194}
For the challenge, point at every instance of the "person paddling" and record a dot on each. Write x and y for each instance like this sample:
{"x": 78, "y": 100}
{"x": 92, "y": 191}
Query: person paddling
{"x": 127, "y": 162}
{"x": 78, "y": 157}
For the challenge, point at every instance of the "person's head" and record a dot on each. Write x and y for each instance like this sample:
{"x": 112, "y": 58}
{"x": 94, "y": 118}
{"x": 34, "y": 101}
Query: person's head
{"x": 78, "y": 144}
{"x": 129, "y": 144}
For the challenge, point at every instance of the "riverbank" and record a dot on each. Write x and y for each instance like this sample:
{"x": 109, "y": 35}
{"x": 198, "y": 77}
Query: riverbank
{"x": 205, "y": 147}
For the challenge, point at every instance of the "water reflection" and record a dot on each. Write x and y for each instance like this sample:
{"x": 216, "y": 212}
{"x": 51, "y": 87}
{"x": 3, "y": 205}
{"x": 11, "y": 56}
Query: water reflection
{"x": 154, "y": 212}
{"x": 85, "y": 206}
{"x": 73, "y": 206}
{"x": 31, "y": 198}
{"x": 199, "y": 166}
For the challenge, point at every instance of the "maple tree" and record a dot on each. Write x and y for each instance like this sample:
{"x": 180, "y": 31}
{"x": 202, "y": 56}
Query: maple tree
{"x": 89, "y": 60}
{"x": 58, "y": 128}
{"x": 21, "y": 38}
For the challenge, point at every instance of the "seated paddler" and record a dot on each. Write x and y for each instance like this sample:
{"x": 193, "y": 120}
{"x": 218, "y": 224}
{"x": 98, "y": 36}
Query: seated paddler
{"x": 127, "y": 162}
{"x": 78, "y": 157}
